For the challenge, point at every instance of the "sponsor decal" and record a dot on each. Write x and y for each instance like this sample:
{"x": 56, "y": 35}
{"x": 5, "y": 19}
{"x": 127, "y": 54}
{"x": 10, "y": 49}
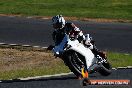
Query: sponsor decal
{"x": 110, "y": 82}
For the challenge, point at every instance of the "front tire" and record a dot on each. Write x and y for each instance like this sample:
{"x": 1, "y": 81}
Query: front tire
{"x": 74, "y": 65}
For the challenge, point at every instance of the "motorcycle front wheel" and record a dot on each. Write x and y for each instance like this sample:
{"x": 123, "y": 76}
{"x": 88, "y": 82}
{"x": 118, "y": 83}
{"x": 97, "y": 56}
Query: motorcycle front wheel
{"x": 75, "y": 62}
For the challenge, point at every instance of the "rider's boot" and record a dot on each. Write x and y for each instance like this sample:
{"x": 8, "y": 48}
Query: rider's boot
{"x": 91, "y": 45}
{"x": 102, "y": 54}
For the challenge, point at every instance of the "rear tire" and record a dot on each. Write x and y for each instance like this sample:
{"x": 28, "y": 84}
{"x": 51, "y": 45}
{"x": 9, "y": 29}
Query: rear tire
{"x": 105, "y": 69}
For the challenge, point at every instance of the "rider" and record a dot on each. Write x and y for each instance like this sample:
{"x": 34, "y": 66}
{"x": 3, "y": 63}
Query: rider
{"x": 61, "y": 27}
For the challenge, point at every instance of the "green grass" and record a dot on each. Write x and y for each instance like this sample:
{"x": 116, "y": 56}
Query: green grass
{"x": 120, "y": 59}
{"x": 17, "y": 63}
{"x": 32, "y": 72}
{"x": 115, "y": 9}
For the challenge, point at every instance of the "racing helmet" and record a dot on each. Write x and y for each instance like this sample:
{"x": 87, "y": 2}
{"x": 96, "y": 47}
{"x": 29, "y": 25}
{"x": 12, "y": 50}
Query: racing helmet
{"x": 58, "y": 19}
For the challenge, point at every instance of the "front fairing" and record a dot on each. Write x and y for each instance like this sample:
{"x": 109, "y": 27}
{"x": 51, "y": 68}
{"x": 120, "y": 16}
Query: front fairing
{"x": 86, "y": 52}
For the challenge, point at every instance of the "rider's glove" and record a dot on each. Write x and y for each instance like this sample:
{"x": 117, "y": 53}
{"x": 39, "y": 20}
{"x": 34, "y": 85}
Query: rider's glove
{"x": 50, "y": 47}
{"x": 55, "y": 50}
{"x": 56, "y": 53}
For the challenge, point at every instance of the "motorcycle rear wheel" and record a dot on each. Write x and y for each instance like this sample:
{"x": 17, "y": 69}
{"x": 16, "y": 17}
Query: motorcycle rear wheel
{"x": 105, "y": 69}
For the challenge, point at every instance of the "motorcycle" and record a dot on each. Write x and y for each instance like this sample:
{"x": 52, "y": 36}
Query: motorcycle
{"x": 77, "y": 56}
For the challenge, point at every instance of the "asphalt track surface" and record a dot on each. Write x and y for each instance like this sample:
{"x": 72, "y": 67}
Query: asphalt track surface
{"x": 108, "y": 36}
{"x": 69, "y": 81}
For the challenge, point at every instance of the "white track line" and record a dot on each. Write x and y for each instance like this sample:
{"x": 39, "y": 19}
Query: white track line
{"x": 129, "y": 66}
{"x": 62, "y": 74}
{"x": 46, "y": 76}
{"x": 13, "y": 44}
{"x": 2, "y": 43}
{"x": 26, "y": 45}
{"x": 36, "y": 46}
